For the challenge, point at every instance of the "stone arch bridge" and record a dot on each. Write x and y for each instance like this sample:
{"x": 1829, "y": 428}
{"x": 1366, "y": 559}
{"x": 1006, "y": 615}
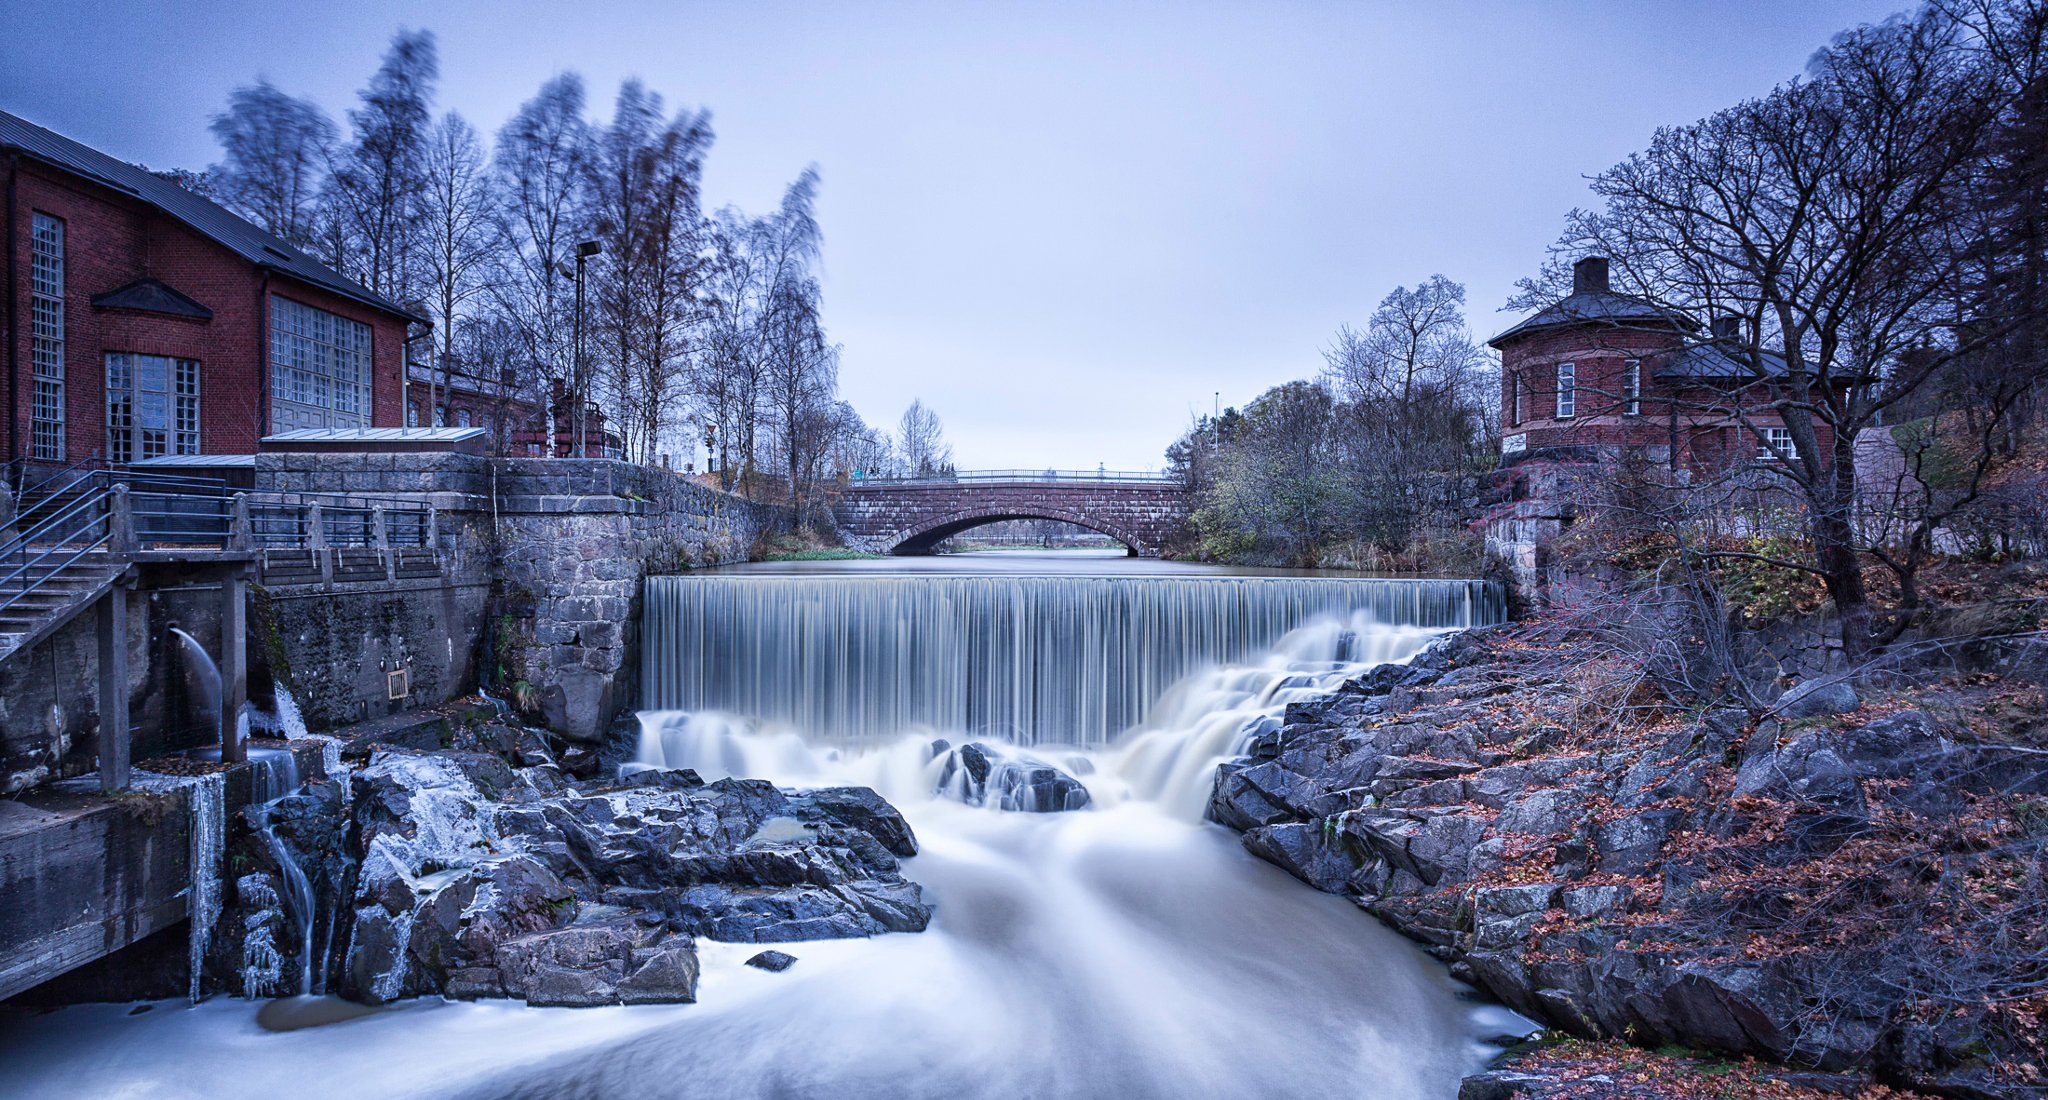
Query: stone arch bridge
{"x": 913, "y": 515}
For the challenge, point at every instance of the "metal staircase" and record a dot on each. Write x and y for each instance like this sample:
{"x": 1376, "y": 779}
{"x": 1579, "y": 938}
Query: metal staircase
{"x": 75, "y": 532}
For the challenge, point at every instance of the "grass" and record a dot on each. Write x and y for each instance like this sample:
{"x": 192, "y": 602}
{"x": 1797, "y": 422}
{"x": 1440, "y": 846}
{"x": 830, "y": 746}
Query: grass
{"x": 834, "y": 553}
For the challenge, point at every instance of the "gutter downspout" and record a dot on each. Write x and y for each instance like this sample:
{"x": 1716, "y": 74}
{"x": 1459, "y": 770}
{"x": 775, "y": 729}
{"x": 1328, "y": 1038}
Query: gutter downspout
{"x": 13, "y": 315}
{"x": 263, "y": 367}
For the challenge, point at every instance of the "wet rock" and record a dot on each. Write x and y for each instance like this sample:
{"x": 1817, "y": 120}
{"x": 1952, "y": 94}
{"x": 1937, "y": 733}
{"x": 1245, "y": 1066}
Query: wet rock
{"x": 863, "y": 809}
{"x": 586, "y": 965}
{"x": 977, "y": 773}
{"x": 775, "y": 961}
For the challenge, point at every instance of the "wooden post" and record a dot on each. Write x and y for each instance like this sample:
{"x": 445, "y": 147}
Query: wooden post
{"x": 112, "y": 616}
{"x": 234, "y": 665}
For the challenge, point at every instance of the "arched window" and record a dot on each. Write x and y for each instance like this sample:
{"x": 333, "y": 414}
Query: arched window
{"x": 462, "y": 418}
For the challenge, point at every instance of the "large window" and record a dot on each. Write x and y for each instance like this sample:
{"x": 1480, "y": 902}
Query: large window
{"x": 319, "y": 368}
{"x": 46, "y": 337}
{"x": 1567, "y": 391}
{"x": 152, "y": 407}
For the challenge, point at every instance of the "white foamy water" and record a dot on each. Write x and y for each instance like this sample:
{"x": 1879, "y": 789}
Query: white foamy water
{"x": 1124, "y": 951}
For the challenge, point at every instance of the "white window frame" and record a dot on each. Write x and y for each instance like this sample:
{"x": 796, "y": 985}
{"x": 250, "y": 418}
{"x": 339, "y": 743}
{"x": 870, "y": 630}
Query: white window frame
{"x": 177, "y": 434}
{"x": 46, "y": 337}
{"x": 1567, "y": 391}
{"x": 1781, "y": 439}
{"x": 1514, "y": 398}
{"x": 1631, "y": 387}
{"x": 321, "y": 366}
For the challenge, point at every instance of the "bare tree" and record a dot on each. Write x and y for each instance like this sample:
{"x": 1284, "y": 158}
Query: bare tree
{"x": 457, "y": 238}
{"x": 376, "y": 180}
{"x": 538, "y": 166}
{"x": 275, "y": 148}
{"x": 921, "y": 439}
{"x": 1828, "y": 216}
{"x": 645, "y": 212}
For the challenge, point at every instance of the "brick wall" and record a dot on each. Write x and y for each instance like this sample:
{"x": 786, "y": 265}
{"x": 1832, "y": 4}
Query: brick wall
{"x": 112, "y": 240}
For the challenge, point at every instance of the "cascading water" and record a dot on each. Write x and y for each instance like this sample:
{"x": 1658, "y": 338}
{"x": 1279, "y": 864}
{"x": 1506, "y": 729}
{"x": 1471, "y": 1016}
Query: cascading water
{"x": 1070, "y": 659}
{"x": 1124, "y": 950}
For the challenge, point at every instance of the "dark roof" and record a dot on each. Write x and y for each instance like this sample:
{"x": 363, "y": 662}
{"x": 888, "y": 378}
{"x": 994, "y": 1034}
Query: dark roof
{"x": 151, "y": 296}
{"x": 1707, "y": 363}
{"x": 1605, "y": 307}
{"x": 251, "y": 242}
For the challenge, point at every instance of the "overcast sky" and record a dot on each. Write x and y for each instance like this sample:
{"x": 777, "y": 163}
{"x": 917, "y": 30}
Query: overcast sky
{"x": 1065, "y": 226}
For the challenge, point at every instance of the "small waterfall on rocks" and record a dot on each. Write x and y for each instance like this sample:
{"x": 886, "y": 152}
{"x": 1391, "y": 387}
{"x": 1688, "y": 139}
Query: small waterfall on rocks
{"x": 1120, "y": 948}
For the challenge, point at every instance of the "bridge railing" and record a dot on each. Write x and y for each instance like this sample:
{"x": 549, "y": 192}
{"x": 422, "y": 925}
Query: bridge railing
{"x": 1096, "y": 476}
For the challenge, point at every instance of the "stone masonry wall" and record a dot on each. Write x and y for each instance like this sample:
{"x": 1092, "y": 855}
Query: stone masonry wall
{"x": 578, "y": 539}
{"x": 887, "y": 518}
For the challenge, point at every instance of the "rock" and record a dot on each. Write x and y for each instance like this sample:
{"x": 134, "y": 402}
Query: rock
{"x": 1808, "y": 768}
{"x": 609, "y": 962}
{"x": 461, "y": 924}
{"x": 863, "y": 809}
{"x": 1583, "y": 902}
{"x": 1542, "y": 813}
{"x": 1303, "y": 850}
{"x": 1628, "y": 845}
{"x": 1499, "y": 1084}
{"x": 775, "y": 961}
{"x": 1814, "y": 698}
{"x": 976, "y": 773}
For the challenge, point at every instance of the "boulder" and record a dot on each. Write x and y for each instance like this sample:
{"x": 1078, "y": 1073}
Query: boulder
{"x": 863, "y": 809}
{"x": 617, "y": 961}
{"x": 977, "y": 774}
{"x": 1815, "y": 698}
{"x": 773, "y": 961}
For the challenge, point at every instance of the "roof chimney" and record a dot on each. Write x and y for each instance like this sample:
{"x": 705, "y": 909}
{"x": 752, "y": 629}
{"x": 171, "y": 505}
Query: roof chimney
{"x": 1728, "y": 327}
{"x": 1589, "y": 276}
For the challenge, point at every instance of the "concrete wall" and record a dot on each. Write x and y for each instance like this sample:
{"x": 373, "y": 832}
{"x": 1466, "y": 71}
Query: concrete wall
{"x": 533, "y": 586}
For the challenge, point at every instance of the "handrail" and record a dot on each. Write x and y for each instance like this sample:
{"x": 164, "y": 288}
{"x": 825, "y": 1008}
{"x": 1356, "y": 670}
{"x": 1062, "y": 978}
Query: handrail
{"x": 22, "y": 540}
{"x": 32, "y": 586}
{"x": 1019, "y": 475}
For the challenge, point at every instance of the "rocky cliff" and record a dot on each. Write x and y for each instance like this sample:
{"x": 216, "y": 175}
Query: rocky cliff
{"x": 1850, "y": 885}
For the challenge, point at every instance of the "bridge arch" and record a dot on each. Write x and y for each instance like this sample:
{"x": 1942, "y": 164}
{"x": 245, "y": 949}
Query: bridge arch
{"x": 923, "y": 536}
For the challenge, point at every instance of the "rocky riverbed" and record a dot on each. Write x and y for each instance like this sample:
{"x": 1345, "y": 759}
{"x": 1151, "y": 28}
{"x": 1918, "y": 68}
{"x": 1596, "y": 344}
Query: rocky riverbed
{"x": 487, "y": 871}
{"x": 1850, "y": 886}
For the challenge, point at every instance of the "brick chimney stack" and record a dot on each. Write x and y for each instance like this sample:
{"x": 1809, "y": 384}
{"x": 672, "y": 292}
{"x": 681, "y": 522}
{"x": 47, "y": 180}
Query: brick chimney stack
{"x": 1590, "y": 275}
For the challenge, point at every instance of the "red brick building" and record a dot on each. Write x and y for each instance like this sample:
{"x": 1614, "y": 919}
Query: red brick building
{"x": 1601, "y": 369}
{"x": 144, "y": 320}
{"x": 512, "y": 419}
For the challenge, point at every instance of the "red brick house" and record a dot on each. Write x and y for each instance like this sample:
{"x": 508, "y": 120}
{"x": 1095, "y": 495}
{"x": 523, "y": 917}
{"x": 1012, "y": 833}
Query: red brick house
{"x": 1603, "y": 370}
{"x": 1600, "y": 376}
{"x": 143, "y": 320}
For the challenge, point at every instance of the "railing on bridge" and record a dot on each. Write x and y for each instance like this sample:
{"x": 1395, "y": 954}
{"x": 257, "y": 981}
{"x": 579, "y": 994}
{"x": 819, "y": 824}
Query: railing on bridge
{"x": 970, "y": 477}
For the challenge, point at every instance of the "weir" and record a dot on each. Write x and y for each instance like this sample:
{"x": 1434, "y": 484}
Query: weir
{"x": 1028, "y": 659}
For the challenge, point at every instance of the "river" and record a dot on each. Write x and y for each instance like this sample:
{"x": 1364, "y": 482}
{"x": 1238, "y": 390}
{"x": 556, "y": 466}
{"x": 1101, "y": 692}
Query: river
{"x": 1125, "y": 950}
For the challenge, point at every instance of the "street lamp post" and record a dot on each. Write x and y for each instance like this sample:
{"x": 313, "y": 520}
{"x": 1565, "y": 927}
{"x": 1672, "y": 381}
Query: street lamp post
{"x": 578, "y": 376}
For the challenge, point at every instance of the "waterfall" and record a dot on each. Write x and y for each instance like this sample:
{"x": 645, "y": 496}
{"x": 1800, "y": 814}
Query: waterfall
{"x": 209, "y": 832}
{"x": 1026, "y": 659}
